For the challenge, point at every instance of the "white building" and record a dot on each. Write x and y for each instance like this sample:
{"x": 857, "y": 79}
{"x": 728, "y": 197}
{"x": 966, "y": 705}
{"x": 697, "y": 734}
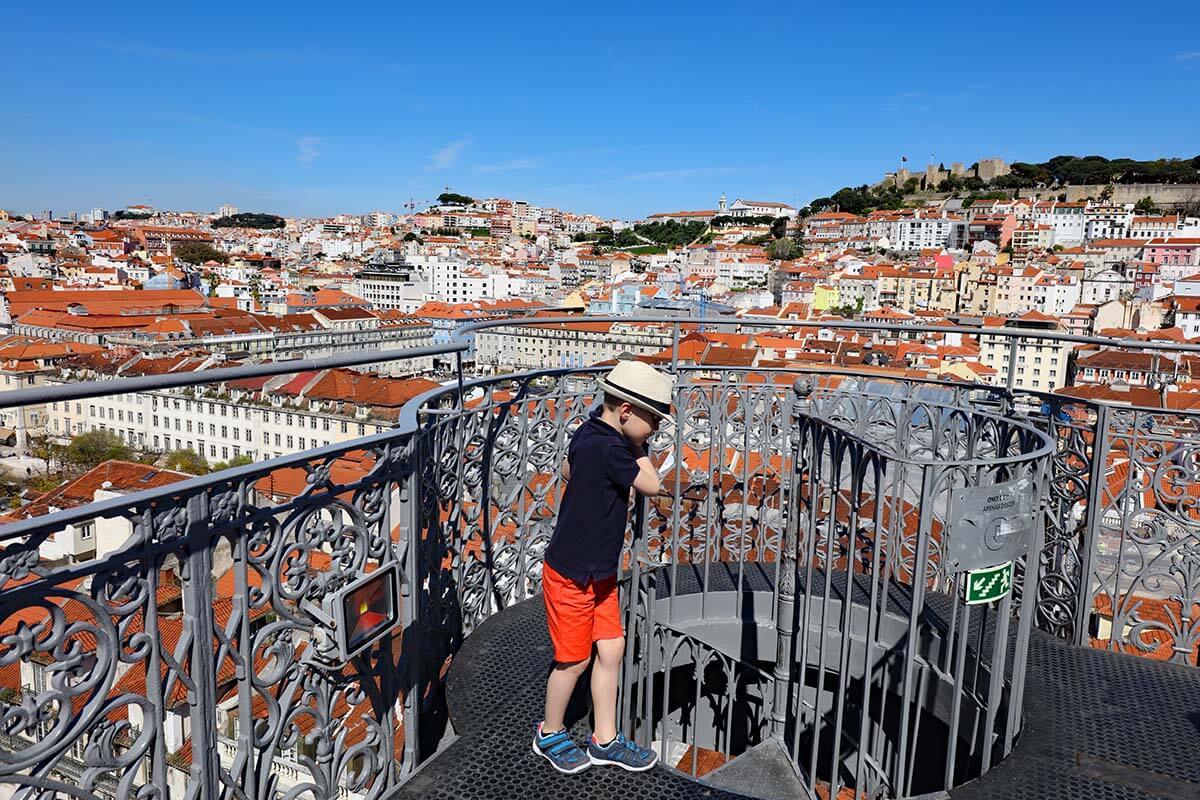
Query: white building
{"x": 1153, "y": 227}
{"x": 402, "y": 287}
{"x": 1068, "y": 220}
{"x": 1040, "y": 365}
{"x": 737, "y": 273}
{"x": 921, "y": 233}
{"x": 1055, "y": 295}
{"x": 760, "y": 208}
{"x": 227, "y": 210}
{"x": 456, "y": 282}
{"x": 1107, "y": 222}
{"x": 378, "y": 219}
{"x": 1101, "y": 285}
{"x": 570, "y": 344}
{"x": 219, "y": 428}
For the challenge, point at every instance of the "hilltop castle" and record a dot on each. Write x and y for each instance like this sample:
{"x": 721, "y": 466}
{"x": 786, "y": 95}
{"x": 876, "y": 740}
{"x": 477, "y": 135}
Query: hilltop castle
{"x": 985, "y": 169}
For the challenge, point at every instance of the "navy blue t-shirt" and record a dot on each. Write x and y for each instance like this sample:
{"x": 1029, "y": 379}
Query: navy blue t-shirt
{"x": 590, "y": 530}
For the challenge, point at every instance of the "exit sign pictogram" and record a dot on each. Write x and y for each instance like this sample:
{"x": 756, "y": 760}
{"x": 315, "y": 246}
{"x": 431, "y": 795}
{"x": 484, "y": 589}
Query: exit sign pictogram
{"x": 989, "y": 584}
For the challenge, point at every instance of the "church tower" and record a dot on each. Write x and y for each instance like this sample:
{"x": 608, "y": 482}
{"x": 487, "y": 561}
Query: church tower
{"x": 721, "y": 203}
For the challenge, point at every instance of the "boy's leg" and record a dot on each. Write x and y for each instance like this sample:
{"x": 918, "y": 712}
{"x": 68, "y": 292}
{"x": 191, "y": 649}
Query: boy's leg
{"x": 569, "y": 612}
{"x": 558, "y": 693}
{"x": 605, "y": 673}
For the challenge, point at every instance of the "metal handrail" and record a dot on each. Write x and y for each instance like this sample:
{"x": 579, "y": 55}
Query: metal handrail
{"x": 460, "y": 343}
{"x": 1007, "y": 333}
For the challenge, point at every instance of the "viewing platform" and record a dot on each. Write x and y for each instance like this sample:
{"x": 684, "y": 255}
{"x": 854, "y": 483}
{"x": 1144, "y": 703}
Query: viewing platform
{"x": 1089, "y": 732}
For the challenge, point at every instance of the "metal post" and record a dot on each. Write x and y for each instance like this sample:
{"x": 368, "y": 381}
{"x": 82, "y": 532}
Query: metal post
{"x": 411, "y": 535}
{"x": 1093, "y": 514}
{"x": 674, "y": 347}
{"x": 911, "y": 653}
{"x": 1011, "y": 380}
{"x": 785, "y": 610}
{"x": 628, "y": 675}
{"x": 198, "y": 617}
{"x": 458, "y": 367}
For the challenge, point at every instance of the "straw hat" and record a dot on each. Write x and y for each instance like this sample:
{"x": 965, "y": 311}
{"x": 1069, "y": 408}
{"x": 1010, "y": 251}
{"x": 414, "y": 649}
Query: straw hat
{"x": 640, "y": 384}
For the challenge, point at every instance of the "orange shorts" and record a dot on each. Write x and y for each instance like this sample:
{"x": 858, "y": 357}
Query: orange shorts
{"x": 579, "y": 615}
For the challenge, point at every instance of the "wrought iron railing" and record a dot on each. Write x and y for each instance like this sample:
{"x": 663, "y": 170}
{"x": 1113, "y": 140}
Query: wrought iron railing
{"x": 122, "y": 694}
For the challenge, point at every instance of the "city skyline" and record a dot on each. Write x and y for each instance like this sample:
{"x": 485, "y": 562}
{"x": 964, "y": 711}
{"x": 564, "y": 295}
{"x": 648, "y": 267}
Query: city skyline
{"x": 622, "y": 114}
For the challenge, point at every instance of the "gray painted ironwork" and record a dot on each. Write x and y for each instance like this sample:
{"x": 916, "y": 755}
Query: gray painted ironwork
{"x": 462, "y": 495}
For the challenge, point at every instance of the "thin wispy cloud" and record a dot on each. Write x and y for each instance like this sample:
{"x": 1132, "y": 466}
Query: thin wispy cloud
{"x": 675, "y": 174}
{"x": 446, "y": 157}
{"x": 511, "y": 165}
{"x": 1192, "y": 56}
{"x": 211, "y": 122}
{"x": 185, "y": 56}
{"x": 308, "y": 148}
{"x": 321, "y": 58}
{"x": 759, "y": 106}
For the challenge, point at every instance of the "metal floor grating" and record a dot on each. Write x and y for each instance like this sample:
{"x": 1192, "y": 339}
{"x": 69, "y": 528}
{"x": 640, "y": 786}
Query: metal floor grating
{"x": 1098, "y": 726}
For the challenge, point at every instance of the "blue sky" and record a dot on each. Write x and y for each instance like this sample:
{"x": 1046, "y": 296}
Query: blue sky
{"x": 618, "y": 109}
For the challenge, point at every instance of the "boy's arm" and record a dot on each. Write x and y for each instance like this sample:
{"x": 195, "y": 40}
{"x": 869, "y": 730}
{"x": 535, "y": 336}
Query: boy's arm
{"x": 647, "y": 481}
{"x": 566, "y": 470}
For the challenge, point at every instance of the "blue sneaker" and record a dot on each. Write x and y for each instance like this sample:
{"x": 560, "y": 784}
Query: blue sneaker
{"x": 561, "y": 751}
{"x": 622, "y": 753}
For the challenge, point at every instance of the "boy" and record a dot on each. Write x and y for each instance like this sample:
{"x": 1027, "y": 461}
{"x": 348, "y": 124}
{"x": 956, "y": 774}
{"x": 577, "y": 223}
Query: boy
{"x": 579, "y": 577}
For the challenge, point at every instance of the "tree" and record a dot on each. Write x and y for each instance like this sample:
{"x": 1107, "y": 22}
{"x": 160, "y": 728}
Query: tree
{"x": 188, "y": 461}
{"x": 1145, "y": 206}
{"x": 198, "y": 253}
{"x": 779, "y": 227}
{"x": 454, "y": 199}
{"x": 951, "y": 183}
{"x": 627, "y": 238}
{"x": 782, "y": 249}
{"x": 256, "y": 288}
{"x": 260, "y": 221}
{"x": 848, "y": 310}
{"x": 798, "y": 240}
{"x": 47, "y": 450}
{"x": 95, "y": 447}
{"x": 237, "y": 461}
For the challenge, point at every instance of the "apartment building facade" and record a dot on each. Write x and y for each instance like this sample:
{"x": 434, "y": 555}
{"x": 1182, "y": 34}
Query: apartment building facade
{"x": 569, "y": 344}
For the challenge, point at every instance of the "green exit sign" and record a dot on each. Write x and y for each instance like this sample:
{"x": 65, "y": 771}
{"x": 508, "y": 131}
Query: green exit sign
{"x": 988, "y": 584}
